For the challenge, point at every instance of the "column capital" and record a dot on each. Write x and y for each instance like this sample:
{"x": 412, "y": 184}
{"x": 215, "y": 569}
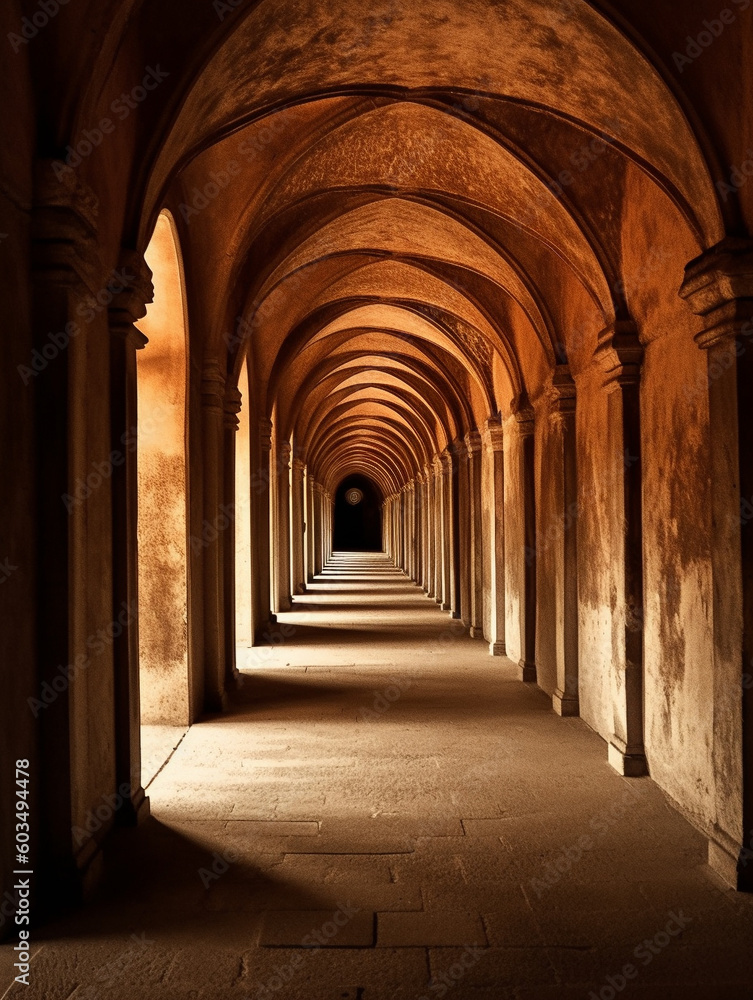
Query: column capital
{"x": 233, "y": 403}
{"x": 494, "y": 436}
{"x": 561, "y": 391}
{"x": 437, "y": 465}
{"x": 298, "y": 466}
{"x": 718, "y": 286}
{"x": 284, "y": 453}
{"x": 129, "y": 303}
{"x": 213, "y": 386}
{"x": 619, "y": 353}
{"x": 64, "y": 229}
{"x": 473, "y": 442}
{"x": 523, "y": 413}
{"x": 265, "y": 433}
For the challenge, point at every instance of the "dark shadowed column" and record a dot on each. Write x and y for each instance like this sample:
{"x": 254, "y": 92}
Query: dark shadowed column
{"x": 527, "y": 662}
{"x": 260, "y": 541}
{"x": 621, "y": 355}
{"x": 476, "y": 569}
{"x": 213, "y": 416}
{"x": 496, "y": 504}
{"x": 231, "y": 423}
{"x": 125, "y": 310}
{"x": 564, "y": 486}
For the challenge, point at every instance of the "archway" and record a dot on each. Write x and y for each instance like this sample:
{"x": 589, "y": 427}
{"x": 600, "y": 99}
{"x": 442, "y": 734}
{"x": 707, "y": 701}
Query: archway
{"x": 358, "y": 516}
{"x": 165, "y": 681}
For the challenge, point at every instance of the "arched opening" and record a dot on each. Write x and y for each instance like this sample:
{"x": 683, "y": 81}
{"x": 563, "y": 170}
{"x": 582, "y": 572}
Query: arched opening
{"x": 358, "y": 516}
{"x": 244, "y": 618}
{"x": 165, "y": 681}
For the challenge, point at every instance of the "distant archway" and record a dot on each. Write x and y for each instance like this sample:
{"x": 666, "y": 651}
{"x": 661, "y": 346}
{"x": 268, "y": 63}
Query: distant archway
{"x": 358, "y": 515}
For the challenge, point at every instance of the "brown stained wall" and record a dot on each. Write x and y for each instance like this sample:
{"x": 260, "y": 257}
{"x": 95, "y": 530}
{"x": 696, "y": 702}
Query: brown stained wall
{"x": 678, "y": 647}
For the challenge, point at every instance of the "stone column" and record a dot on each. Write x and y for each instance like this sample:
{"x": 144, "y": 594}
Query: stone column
{"x": 476, "y": 578}
{"x": 423, "y": 506}
{"x": 621, "y": 355}
{"x": 231, "y": 424}
{"x": 260, "y": 499}
{"x": 282, "y": 533}
{"x": 327, "y": 526}
{"x": 718, "y": 287}
{"x": 494, "y": 440}
{"x": 450, "y": 460}
{"x": 464, "y": 532}
{"x": 125, "y": 310}
{"x": 564, "y": 485}
{"x": 318, "y": 531}
{"x": 297, "y": 528}
{"x": 212, "y": 425}
{"x": 410, "y": 538}
{"x": 436, "y": 529}
{"x": 527, "y": 663}
{"x": 309, "y": 527}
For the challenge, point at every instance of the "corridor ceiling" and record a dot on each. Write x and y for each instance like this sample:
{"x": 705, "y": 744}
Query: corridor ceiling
{"x": 406, "y": 216}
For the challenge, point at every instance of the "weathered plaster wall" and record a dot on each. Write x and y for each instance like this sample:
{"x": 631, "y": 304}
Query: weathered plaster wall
{"x": 678, "y": 648}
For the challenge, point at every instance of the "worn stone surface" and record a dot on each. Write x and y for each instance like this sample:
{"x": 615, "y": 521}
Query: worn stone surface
{"x": 559, "y": 887}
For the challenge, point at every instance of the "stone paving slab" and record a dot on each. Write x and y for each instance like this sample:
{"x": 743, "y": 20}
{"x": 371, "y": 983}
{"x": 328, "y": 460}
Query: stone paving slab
{"x": 438, "y": 929}
{"x": 345, "y": 927}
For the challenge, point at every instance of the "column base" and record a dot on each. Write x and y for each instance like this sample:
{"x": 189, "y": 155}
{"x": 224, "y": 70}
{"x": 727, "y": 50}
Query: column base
{"x": 527, "y": 672}
{"x": 444, "y": 606}
{"x": 565, "y": 705}
{"x": 497, "y": 649}
{"x": 476, "y": 632}
{"x": 629, "y": 765}
{"x": 136, "y": 811}
{"x": 732, "y": 862}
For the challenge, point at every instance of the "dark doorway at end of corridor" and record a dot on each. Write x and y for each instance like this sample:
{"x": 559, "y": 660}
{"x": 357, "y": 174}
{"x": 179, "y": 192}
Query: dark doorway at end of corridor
{"x": 358, "y": 515}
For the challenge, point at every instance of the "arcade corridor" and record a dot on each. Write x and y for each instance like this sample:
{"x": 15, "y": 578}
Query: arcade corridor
{"x": 375, "y": 768}
{"x": 376, "y": 438}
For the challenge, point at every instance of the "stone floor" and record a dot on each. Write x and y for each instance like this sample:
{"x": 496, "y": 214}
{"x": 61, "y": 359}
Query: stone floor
{"x": 389, "y": 795}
